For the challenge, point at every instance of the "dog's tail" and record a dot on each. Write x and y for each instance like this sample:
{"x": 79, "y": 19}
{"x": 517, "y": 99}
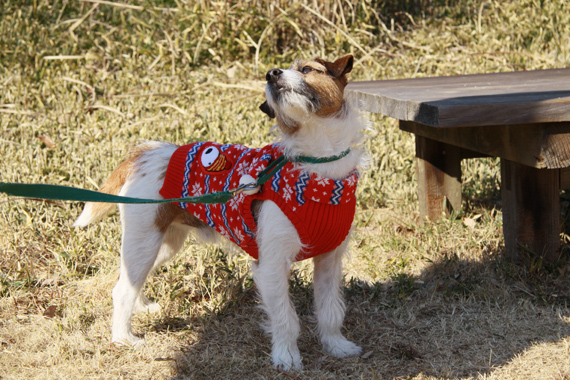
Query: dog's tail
{"x": 95, "y": 211}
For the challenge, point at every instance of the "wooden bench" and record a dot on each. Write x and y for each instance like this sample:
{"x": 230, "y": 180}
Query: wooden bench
{"x": 521, "y": 117}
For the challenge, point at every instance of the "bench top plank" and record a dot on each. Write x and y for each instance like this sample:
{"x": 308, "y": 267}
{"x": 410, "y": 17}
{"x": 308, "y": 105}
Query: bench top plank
{"x": 521, "y": 97}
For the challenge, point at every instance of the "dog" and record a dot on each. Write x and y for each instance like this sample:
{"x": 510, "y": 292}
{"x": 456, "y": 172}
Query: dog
{"x": 313, "y": 119}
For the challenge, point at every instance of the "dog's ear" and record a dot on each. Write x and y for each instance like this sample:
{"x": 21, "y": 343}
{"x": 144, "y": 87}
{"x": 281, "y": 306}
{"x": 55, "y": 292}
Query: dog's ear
{"x": 340, "y": 67}
{"x": 267, "y": 109}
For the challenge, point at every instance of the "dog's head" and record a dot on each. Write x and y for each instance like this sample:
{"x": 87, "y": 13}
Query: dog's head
{"x": 306, "y": 88}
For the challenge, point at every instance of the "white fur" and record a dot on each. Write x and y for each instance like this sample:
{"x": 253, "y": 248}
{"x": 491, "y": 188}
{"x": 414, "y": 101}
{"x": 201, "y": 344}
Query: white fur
{"x": 144, "y": 248}
{"x": 294, "y": 106}
{"x": 87, "y": 217}
{"x": 320, "y": 137}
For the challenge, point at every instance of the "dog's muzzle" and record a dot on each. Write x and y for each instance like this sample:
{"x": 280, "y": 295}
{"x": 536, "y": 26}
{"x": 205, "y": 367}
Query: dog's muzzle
{"x": 273, "y": 75}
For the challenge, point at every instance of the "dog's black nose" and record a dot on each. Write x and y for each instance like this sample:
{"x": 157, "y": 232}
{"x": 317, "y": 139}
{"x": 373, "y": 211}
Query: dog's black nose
{"x": 273, "y": 75}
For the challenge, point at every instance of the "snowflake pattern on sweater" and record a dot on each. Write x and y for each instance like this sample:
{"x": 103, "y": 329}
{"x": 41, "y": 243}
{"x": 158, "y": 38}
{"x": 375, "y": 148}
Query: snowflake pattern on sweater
{"x": 321, "y": 209}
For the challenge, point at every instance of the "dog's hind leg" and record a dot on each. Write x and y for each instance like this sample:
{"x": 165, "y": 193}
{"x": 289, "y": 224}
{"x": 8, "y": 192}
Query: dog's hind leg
{"x": 278, "y": 244}
{"x": 329, "y": 303}
{"x": 172, "y": 243}
{"x": 141, "y": 243}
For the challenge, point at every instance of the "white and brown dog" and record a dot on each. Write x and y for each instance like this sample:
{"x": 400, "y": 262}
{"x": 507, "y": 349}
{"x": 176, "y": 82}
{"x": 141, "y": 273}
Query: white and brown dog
{"x": 304, "y": 211}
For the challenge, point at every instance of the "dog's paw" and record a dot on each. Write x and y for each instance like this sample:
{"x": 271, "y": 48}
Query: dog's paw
{"x": 286, "y": 358}
{"x": 341, "y": 347}
{"x": 151, "y": 307}
{"x": 144, "y": 305}
{"x": 130, "y": 341}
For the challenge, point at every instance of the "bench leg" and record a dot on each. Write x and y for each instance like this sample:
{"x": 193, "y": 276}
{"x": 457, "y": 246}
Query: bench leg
{"x": 531, "y": 210}
{"x": 438, "y": 171}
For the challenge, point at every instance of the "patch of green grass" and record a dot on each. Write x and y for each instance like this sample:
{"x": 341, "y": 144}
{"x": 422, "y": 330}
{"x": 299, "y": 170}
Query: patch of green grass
{"x": 404, "y": 285}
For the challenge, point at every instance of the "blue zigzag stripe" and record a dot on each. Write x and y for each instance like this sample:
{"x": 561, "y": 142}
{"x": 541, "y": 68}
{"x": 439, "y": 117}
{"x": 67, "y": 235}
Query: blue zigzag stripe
{"x": 247, "y": 230}
{"x": 275, "y": 181}
{"x": 300, "y": 187}
{"x": 337, "y": 192}
{"x": 231, "y": 173}
{"x": 210, "y": 221}
{"x": 189, "y": 159}
{"x": 266, "y": 157}
{"x": 209, "y": 216}
{"x": 225, "y": 218}
{"x": 227, "y": 184}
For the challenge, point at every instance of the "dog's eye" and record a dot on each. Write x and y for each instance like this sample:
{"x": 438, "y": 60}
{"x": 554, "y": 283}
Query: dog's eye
{"x": 307, "y": 69}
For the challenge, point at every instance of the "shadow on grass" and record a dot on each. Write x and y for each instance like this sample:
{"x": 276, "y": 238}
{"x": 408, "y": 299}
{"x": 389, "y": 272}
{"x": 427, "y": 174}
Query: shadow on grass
{"x": 457, "y": 319}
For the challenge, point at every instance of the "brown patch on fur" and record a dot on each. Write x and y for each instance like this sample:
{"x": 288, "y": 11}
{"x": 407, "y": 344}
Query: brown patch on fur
{"x": 339, "y": 68}
{"x": 286, "y": 128}
{"x": 117, "y": 180}
{"x": 328, "y": 79}
{"x": 168, "y": 213}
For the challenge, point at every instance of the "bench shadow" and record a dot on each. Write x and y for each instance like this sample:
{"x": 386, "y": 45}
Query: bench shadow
{"x": 457, "y": 319}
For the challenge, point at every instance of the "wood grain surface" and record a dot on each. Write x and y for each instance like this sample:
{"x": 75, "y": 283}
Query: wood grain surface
{"x": 469, "y": 100}
{"x": 541, "y": 145}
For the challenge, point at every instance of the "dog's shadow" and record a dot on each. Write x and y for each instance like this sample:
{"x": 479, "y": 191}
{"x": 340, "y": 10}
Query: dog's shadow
{"x": 458, "y": 319}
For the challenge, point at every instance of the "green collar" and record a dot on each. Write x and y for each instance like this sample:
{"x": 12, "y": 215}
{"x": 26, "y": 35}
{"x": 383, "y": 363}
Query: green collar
{"x": 319, "y": 160}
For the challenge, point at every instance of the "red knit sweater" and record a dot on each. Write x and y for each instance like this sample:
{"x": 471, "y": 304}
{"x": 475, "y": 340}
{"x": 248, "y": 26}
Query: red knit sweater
{"x": 321, "y": 209}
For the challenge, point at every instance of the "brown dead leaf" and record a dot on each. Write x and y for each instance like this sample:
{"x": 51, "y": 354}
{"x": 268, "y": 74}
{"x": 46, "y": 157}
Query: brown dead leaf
{"x": 47, "y": 141}
{"x": 50, "y": 311}
{"x": 403, "y": 230}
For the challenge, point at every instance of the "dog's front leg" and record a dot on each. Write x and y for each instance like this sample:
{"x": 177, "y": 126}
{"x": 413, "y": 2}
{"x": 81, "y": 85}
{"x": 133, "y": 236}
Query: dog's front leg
{"x": 329, "y": 303}
{"x": 278, "y": 243}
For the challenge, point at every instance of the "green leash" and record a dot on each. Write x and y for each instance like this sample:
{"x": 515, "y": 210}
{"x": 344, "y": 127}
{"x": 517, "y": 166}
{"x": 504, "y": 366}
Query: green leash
{"x": 67, "y": 193}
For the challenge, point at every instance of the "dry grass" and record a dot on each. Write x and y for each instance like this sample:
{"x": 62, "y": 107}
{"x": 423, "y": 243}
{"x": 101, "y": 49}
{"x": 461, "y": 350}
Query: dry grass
{"x": 82, "y": 81}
